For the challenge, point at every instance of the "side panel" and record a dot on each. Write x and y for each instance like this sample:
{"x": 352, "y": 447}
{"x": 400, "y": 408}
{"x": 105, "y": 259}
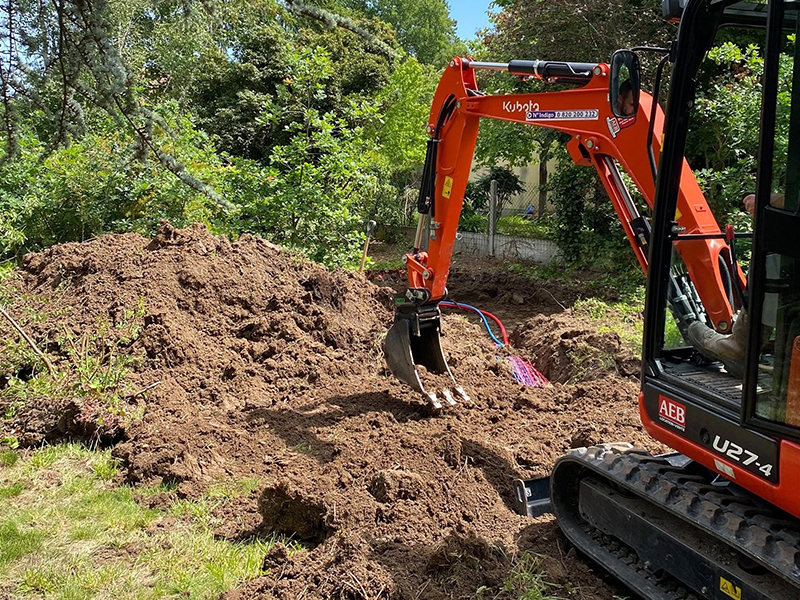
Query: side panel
{"x": 695, "y": 431}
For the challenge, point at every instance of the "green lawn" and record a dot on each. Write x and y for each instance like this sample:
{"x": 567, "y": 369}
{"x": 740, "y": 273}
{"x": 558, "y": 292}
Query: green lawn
{"x": 68, "y": 531}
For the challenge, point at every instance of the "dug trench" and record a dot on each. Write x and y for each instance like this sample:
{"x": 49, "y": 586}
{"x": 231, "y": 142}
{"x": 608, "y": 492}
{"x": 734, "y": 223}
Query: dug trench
{"x": 248, "y": 361}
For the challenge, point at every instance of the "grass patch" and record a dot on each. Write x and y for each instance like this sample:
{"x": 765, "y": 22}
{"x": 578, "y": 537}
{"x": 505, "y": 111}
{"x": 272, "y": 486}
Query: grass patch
{"x": 67, "y": 532}
{"x": 386, "y": 263}
{"x": 587, "y": 361}
{"x": 11, "y": 491}
{"x": 525, "y": 582}
{"x": 617, "y": 317}
{"x": 8, "y": 458}
{"x": 624, "y": 286}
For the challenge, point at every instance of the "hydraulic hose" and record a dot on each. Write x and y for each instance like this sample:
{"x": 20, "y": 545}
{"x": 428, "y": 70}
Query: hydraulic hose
{"x": 483, "y": 314}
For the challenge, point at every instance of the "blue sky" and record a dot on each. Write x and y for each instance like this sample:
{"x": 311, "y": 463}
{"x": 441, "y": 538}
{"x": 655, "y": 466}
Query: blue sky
{"x": 471, "y": 15}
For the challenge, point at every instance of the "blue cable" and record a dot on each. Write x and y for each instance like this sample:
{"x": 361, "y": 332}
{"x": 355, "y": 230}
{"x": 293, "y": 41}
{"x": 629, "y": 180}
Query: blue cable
{"x": 477, "y": 310}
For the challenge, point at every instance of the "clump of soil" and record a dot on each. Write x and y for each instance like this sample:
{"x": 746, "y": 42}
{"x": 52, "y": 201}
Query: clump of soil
{"x": 259, "y": 364}
{"x": 291, "y": 511}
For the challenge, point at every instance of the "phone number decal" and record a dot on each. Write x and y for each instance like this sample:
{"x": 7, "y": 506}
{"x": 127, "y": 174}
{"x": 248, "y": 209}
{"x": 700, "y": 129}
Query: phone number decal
{"x": 586, "y": 114}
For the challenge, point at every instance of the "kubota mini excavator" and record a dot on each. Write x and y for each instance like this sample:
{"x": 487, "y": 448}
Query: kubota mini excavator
{"x": 719, "y": 519}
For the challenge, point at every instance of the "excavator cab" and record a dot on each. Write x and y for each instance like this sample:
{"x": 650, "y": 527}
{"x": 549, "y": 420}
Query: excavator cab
{"x": 741, "y": 422}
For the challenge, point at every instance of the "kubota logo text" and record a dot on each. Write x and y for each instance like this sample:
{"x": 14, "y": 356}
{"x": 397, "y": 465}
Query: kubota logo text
{"x": 671, "y": 412}
{"x": 517, "y": 106}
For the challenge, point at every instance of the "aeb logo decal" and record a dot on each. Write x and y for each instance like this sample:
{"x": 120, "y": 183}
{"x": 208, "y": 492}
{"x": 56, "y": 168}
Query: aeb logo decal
{"x": 672, "y": 413}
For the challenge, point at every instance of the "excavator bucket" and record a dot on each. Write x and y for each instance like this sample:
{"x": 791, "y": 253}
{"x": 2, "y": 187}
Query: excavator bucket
{"x": 405, "y": 351}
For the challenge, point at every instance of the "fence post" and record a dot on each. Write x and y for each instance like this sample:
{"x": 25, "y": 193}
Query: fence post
{"x": 492, "y": 214}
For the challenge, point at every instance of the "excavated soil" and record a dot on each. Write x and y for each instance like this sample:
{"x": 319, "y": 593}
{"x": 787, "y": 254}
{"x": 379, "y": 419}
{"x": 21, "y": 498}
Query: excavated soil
{"x": 253, "y": 362}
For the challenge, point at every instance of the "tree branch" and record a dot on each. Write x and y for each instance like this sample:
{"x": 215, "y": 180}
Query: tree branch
{"x": 30, "y": 342}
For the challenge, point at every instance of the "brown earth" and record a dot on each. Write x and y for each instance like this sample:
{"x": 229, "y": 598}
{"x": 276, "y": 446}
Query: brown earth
{"x": 257, "y": 363}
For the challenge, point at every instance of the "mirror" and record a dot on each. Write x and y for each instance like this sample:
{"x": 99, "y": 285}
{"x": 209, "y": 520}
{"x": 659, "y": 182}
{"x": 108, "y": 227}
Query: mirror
{"x": 625, "y": 84}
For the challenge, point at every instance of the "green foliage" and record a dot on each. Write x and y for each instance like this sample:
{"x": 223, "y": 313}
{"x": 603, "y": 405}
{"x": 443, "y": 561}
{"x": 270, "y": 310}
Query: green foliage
{"x": 527, "y": 582}
{"x": 723, "y": 143}
{"x": 311, "y": 194}
{"x": 279, "y": 119}
{"x": 568, "y": 30}
{"x": 540, "y": 228}
{"x": 91, "y": 366}
{"x": 471, "y": 220}
{"x": 424, "y": 27}
{"x": 102, "y": 183}
{"x": 587, "y": 229}
{"x": 508, "y": 185}
{"x": 403, "y": 108}
{"x": 8, "y": 458}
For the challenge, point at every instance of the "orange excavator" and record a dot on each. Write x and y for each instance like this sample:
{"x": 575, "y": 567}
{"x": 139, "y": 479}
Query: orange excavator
{"x": 602, "y": 136}
{"x": 719, "y": 518}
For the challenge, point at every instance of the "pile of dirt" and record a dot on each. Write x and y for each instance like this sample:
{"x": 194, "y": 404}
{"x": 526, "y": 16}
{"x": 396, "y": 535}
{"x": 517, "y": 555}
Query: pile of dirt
{"x": 254, "y": 362}
{"x": 567, "y": 349}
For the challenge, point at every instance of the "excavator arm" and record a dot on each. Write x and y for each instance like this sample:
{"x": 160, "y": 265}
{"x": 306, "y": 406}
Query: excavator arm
{"x": 600, "y": 139}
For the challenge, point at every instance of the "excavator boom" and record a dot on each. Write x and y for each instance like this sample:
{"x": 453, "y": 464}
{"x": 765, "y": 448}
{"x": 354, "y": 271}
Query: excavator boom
{"x": 600, "y": 139}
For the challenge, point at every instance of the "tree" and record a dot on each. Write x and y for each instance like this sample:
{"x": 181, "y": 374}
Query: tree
{"x": 424, "y": 27}
{"x": 508, "y": 185}
{"x": 582, "y": 30}
{"x": 273, "y": 116}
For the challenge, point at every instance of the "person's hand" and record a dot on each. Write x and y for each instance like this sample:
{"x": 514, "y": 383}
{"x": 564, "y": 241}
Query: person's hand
{"x": 750, "y": 203}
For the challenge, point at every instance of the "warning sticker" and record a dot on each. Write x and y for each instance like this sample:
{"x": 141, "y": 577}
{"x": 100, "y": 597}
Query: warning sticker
{"x": 448, "y": 187}
{"x": 730, "y": 589}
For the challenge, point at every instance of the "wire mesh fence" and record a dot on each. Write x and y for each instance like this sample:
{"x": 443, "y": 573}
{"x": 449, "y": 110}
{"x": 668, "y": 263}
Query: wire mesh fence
{"x": 524, "y": 214}
{"x": 515, "y": 226}
{"x": 530, "y": 203}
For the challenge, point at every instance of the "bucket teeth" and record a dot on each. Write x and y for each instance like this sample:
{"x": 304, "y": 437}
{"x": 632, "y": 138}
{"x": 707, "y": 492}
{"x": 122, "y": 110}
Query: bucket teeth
{"x": 434, "y": 401}
{"x": 448, "y": 397}
{"x": 405, "y": 351}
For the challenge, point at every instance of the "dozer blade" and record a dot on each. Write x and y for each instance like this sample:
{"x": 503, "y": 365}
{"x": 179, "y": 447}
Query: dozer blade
{"x": 404, "y": 352}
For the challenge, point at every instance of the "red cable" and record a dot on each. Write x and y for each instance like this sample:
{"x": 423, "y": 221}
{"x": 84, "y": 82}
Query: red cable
{"x": 483, "y": 312}
{"x": 499, "y": 324}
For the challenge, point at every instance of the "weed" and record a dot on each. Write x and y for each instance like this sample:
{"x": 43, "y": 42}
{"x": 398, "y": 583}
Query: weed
{"x": 37, "y": 581}
{"x": 92, "y": 365}
{"x": 231, "y": 489}
{"x": 386, "y": 263}
{"x": 10, "y": 441}
{"x": 672, "y": 335}
{"x": 303, "y": 448}
{"x": 620, "y": 318}
{"x": 45, "y": 457}
{"x": 12, "y": 408}
{"x": 8, "y": 458}
{"x": 11, "y": 491}
{"x": 16, "y": 542}
{"x": 6, "y": 267}
{"x": 526, "y": 581}
{"x": 130, "y": 326}
{"x": 587, "y": 360}
{"x": 105, "y": 467}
